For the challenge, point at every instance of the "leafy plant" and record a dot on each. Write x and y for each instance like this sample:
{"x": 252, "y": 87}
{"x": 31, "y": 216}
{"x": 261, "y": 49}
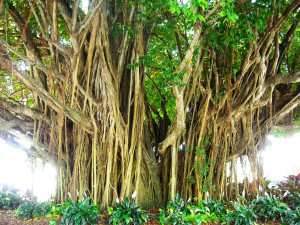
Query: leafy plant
{"x": 201, "y": 214}
{"x": 215, "y": 205}
{"x": 217, "y": 208}
{"x": 127, "y": 212}
{"x": 242, "y": 214}
{"x": 271, "y": 208}
{"x": 57, "y": 211}
{"x": 25, "y": 210}
{"x": 289, "y": 190}
{"x": 179, "y": 212}
{"x": 42, "y": 209}
{"x": 8, "y": 199}
{"x": 176, "y": 212}
{"x": 79, "y": 213}
{"x": 294, "y": 216}
{"x": 294, "y": 200}
{"x": 291, "y": 184}
{"x": 29, "y": 209}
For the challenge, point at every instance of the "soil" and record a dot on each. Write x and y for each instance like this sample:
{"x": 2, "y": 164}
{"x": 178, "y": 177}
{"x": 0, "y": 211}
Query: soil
{"x": 7, "y": 218}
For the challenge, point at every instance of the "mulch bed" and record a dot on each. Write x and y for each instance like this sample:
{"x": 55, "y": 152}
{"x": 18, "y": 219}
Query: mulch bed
{"x": 7, "y": 218}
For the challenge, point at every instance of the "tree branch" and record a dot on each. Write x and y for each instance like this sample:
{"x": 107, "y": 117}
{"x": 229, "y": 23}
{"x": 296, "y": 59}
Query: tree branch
{"x": 179, "y": 126}
{"x": 23, "y": 110}
{"x": 284, "y": 79}
{"x": 286, "y": 43}
{"x": 284, "y": 128}
{"x": 36, "y": 150}
{"x": 294, "y": 5}
{"x": 88, "y": 18}
{"x": 24, "y": 125}
{"x": 7, "y": 64}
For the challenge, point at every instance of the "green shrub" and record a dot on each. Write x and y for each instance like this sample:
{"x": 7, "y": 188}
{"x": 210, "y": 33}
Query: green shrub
{"x": 215, "y": 206}
{"x": 295, "y": 200}
{"x": 127, "y": 212}
{"x": 29, "y": 209}
{"x": 79, "y": 213}
{"x": 270, "y": 208}
{"x": 8, "y": 199}
{"x": 294, "y": 217}
{"x": 176, "y": 212}
{"x": 242, "y": 214}
{"x": 217, "y": 209}
{"x": 57, "y": 210}
{"x": 179, "y": 212}
{"x": 25, "y": 210}
{"x": 201, "y": 214}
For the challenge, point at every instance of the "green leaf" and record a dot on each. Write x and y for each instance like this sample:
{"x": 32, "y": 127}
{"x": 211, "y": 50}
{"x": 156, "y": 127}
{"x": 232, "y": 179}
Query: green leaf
{"x": 127, "y": 219}
{"x": 52, "y": 222}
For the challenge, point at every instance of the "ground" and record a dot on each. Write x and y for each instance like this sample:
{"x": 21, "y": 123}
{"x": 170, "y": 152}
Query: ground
{"x": 7, "y": 218}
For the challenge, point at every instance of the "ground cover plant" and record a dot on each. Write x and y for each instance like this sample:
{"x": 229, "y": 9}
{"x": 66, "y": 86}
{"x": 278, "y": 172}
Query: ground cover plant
{"x": 79, "y": 213}
{"x": 294, "y": 216}
{"x": 264, "y": 209}
{"x": 242, "y": 214}
{"x": 180, "y": 212}
{"x": 70, "y": 212}
{"x": 127, "y": 212}
{"x": 176, "y": 211}
{"x": 270, "y": 208}
{"x": 30, "y": 209}
{"x": 216, "y": 206}
{"x": 8, "y": 198}
{"x": 289, "y": 190}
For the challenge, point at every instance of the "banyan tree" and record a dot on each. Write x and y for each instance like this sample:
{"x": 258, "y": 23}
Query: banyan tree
{"x": 158, "y": 97}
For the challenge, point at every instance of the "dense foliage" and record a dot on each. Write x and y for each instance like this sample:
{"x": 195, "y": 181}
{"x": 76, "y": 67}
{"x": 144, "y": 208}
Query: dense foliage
{"x": 176, "y": 212}
{"x": 179, "y": 212}
{"x": 29, "y": 209}
{"x": 265, "y": 209}
{"x": 271, "y": 208}
{"x": 127, "y": 212}
{"x": 9, "y": 199}
{"x": 80, "y": 213}
{"x": 242, "y": 214}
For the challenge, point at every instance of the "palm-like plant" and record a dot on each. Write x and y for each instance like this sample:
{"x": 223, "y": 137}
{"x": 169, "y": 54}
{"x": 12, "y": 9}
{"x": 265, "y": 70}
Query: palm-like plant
{"x": 271, "y": 208}
{"x": 242, "y": 214}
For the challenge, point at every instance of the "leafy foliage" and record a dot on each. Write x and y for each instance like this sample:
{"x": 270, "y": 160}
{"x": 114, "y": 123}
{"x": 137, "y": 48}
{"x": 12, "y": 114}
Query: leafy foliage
{"x": 79, "y": 213}
{"x": 242, "y": 214}
{"x": 179, "y": 212}
{"x": 127, "y": 212}
{"x": 290, "y": 190}
{"x": 8, "y": 199}
{"x": 29, "y": 209}
{"x": 202, "y": 214}
{"x": 291, "y": 184}
{"x": 295, "y": 200}
{"x": 270, "y": 208}
{"x": 294, "y": 216}
{"x": 217, "y": 207}
{"x": 176, "y": 212}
